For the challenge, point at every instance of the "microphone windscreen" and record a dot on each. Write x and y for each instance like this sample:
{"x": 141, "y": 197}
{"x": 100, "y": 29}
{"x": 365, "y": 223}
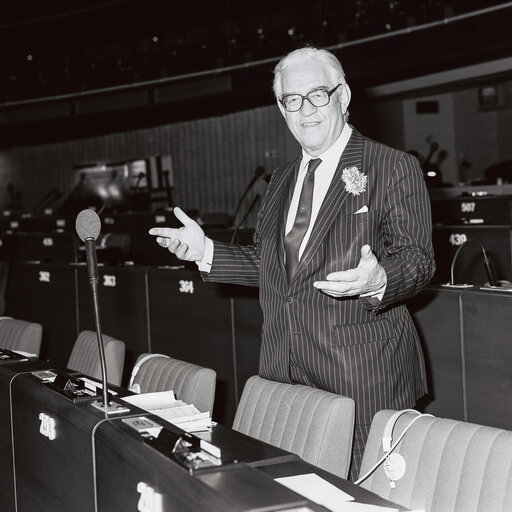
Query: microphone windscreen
{"x": 88, "y": 225}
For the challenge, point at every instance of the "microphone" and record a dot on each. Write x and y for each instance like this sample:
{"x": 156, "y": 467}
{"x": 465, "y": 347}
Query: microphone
{"x": 260, "y": 171}
{"x": 247, "y": 211}
{"x": 140, "y": 177}
{"x": 487, "y": 265}
{"x": 47, "y": 199}
{"x": 88, "y": 227}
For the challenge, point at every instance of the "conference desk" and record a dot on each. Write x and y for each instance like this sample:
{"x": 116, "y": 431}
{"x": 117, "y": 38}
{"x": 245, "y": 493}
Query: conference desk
{"x": 9, "y": 370}
{"x": 465, "y": 332}
{"x": 466, "y": 337}
{"x": 69, "y": 456}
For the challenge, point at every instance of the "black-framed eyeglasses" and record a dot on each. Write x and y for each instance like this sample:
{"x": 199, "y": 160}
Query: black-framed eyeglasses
{"x": 317, "y": 97}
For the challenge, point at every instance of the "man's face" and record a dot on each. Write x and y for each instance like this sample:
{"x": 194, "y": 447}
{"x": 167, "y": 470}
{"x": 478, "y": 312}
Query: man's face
{"x": 315, "y": 128}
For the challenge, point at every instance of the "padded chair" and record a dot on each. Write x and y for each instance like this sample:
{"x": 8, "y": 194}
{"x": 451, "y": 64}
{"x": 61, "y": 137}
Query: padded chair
{"x": 450, "y": 465}
{"x": 85, "y": 357}
{"x": 20, "y": 335}
{"x": 312, "y": 423}
{"x": 191, "y": 383}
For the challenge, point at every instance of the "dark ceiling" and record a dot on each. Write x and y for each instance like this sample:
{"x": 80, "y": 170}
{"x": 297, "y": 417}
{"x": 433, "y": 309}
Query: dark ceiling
{"x": 56, "y": 54}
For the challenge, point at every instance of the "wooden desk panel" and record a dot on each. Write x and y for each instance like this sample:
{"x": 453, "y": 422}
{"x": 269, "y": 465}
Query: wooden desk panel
{"x": 122, "y": 296}
{"x": 52, "y": 475}
{"x": 487, "y": 318}
{"x": 436, "y": 314}
{"x": 45, "y": 293}
{"x": 192, "y": 321}
{"x": 9, "y": 371}
{"x": 124, "y": 464}
{"x": 247, "y": 321}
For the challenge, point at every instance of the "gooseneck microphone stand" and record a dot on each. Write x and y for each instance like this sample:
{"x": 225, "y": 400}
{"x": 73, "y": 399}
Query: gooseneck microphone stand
{"x": 88, "y": 227}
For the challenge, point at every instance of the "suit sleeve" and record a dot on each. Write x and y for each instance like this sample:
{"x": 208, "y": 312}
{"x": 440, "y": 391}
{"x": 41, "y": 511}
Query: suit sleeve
{"x": 406, "y": 230}
{"x": 237, "y": 264}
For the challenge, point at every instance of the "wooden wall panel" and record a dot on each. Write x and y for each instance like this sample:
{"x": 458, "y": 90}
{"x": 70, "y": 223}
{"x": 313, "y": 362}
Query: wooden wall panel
{"x": 213, "y": 158}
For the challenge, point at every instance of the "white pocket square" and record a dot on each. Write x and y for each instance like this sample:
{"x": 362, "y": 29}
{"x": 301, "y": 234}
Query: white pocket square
{"x": 364, "y": 209}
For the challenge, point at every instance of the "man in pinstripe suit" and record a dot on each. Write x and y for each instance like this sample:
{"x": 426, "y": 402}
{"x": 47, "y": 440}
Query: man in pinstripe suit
{"x": 336, "y": 319}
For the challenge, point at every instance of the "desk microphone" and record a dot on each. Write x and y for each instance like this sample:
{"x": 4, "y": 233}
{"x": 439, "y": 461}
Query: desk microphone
{"x": 246, "y": 213}
{"x": 258, "y": 173}
{"x": 88, "y": 227}
{"x": 487, "y": 265}
{"x": 260, "y": 187}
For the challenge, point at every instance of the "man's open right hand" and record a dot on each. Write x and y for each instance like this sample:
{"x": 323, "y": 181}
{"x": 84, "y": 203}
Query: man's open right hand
{"x": 187, "y": 242}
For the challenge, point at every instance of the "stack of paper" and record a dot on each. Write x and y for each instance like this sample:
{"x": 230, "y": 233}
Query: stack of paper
{"x": 164, "y": 404}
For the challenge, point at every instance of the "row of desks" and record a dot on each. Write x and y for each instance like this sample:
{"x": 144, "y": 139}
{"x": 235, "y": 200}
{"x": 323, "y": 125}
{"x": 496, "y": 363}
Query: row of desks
{"x": 60, "y": 454}
{"x": 465, "y": 332}
{"x": 151, "y": 309}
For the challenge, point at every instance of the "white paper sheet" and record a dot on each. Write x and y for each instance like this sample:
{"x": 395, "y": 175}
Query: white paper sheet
{"x": 151, "y": 401}
{"x": 165, "y": 405}
{"x": 316, "y": 489}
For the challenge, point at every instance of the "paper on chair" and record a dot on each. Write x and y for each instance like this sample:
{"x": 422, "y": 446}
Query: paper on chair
{"x": 320, "y": 491}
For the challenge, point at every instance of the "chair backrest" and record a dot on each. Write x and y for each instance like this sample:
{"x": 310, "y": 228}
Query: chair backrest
{"x": 314, "y": 424}
{"x": 191, "y": 383}
{"x": 450, "y": 465}
{"x": 85, "y": 357}
{"x": 20, "y": 335}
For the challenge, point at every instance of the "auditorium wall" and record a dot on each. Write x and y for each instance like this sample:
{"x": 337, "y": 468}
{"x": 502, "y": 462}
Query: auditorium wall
{"x": 213, "y": 158}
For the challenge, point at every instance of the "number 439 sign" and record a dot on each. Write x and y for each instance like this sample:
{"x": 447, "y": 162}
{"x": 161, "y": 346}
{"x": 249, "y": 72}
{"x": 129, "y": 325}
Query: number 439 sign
{"x": 458, "y": 239}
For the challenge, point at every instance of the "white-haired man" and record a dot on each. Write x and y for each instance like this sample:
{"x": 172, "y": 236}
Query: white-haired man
{"x": 343, "y": 237}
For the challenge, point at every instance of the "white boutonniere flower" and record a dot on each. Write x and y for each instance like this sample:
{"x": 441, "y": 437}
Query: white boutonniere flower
{"x": 354, "y": 179}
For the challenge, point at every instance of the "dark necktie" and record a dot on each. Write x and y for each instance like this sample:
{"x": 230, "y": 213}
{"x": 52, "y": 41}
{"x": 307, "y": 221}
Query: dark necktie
{"x": 295, "y": 236}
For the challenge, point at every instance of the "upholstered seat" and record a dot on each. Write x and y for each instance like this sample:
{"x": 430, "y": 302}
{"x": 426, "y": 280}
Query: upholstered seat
{"x": 314, "y": 424}
{"x": 21, "y": 335}
{"x": 85, "y": 357}
{"x": 191, "y": 383}
{"x": 450, "y": 465}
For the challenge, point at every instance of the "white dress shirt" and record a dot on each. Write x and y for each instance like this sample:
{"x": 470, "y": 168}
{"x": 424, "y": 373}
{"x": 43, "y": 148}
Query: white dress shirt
{"x": 323, "y": 177}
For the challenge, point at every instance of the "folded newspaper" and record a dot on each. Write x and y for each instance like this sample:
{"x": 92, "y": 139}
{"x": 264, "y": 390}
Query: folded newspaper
{"x": 164, "y": 404}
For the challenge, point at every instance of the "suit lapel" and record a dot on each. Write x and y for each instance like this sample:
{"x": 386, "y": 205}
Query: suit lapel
{"x": 334, "y": 199}
{"x": 289, "y": 180}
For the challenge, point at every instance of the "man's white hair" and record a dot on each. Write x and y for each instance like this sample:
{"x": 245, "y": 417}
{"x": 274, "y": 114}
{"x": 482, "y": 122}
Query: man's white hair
{"x": 333, "y": 66}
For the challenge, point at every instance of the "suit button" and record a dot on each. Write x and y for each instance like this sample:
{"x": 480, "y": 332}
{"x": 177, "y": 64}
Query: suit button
{"x": 289, "y": 300}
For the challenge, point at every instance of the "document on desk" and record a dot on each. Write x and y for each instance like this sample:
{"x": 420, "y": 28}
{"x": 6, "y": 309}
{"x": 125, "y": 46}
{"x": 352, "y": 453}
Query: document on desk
{"x": 320, "y": 491}
{"x": 164, "y": 404}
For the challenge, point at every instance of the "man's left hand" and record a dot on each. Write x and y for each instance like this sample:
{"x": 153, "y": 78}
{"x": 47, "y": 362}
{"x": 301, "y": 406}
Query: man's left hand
{"x": 368, "y": 277}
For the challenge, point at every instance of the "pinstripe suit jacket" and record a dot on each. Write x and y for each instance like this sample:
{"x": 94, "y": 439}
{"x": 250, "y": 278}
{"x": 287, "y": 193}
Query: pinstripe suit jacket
{"x": 351, "y": 346}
